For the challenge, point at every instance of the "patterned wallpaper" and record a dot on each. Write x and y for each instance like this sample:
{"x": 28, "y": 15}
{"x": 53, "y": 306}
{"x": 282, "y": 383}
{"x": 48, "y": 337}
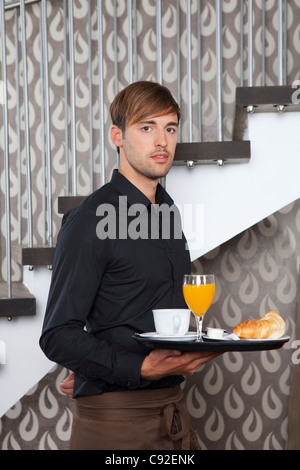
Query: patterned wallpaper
{"x": 239, "y": 401}
{"x": 41, "y": 420}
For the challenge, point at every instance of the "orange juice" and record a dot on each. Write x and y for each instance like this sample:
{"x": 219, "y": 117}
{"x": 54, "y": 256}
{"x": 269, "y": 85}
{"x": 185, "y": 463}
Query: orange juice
{"x": 199, "y": 298}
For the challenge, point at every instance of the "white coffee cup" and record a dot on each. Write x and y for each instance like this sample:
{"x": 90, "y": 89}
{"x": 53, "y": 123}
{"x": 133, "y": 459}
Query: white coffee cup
{"x": 171, "y": 321}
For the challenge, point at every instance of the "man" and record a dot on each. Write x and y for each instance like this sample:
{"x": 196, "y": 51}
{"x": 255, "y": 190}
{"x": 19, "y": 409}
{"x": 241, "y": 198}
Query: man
{"x": 106, "y": 280}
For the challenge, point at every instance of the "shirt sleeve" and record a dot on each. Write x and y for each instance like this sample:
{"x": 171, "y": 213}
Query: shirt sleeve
{"x": 80, "y": 260}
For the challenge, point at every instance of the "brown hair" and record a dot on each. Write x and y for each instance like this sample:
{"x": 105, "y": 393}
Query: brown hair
{"x": 141, "y": 100}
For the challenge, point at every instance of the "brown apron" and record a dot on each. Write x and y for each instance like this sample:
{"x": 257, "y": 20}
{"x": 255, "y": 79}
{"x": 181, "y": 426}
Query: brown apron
{"x": 133, "y": 420}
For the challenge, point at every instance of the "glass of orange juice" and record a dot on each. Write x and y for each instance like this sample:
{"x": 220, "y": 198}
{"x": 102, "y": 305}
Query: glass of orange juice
{"x": 199, "y": 291}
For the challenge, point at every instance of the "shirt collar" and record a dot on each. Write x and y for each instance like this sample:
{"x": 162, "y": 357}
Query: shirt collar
{"x": 134, "y": 195}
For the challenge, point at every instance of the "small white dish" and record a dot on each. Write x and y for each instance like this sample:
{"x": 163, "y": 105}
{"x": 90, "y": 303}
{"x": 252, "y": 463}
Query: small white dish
{"x": 226, "y": 337}
{"x": 214, "y": 333}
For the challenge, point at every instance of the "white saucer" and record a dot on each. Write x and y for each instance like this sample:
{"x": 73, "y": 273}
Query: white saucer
{"x": 189, "y": 336}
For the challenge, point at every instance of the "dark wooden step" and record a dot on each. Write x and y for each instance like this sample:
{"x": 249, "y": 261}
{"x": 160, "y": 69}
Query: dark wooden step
{"x": 39, "y": 255}
{"x": 203, "y": 153}
{"x": 267, "y": 98}
{"x": 66, "y": 203}
{"x": 262, "y": 99}
{"x": 21, "y": 302}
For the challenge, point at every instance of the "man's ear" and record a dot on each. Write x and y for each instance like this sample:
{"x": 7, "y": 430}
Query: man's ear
{"x": 116, "y": 136}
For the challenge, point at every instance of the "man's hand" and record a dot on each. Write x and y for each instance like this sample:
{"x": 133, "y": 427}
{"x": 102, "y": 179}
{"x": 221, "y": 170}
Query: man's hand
{"x": 67, "y": 385}
{"x": 162, "y": 362}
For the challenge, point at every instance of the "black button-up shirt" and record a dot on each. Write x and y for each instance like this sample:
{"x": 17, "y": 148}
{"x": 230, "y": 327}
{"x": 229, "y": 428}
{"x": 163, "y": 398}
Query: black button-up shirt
{"x": 114, "y": 262}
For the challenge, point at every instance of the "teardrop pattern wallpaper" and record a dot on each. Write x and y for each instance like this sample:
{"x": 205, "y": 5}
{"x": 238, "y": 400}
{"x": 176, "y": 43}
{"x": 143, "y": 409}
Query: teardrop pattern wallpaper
{"x": 240, "y": 400}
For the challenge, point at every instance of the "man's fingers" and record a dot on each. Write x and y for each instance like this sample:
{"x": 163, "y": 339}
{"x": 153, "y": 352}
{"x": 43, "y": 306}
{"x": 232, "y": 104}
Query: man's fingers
{"x": 67, "y": 385}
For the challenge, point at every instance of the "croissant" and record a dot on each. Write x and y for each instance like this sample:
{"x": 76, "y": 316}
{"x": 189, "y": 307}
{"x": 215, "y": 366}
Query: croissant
{"x": 270, "y": 326}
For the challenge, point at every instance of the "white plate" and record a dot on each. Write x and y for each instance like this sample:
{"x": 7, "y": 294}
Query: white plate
{"x": 283, "y": 338}
{"x": 189, "y": 336}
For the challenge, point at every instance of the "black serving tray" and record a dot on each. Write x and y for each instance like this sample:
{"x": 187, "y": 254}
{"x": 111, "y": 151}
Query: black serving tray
{"x": 212, "y": 344}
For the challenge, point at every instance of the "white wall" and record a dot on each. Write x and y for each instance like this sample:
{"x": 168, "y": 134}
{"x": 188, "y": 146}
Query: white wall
{"x": 236, "y": 196}
{"x": 25, "y": 362}
{"x": 233, "y": 198}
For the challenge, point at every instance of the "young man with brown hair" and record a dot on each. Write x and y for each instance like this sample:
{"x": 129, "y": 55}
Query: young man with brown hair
{"x": 106, "y": 283}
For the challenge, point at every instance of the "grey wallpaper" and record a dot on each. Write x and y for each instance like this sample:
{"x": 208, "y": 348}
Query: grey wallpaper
{"x": 240, "y": 400}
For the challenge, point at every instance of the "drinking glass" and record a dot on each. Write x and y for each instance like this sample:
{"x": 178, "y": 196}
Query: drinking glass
{"x": 199, "y": 291}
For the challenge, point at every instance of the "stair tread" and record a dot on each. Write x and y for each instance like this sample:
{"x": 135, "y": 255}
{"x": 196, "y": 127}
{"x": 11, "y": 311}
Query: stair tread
{"x": 211, "y": 152}
{"x": 21, "y": 302}
{"x": 66, "y": 203}
{"x": 38, "y": 255}
{"x": 264, "y": 99}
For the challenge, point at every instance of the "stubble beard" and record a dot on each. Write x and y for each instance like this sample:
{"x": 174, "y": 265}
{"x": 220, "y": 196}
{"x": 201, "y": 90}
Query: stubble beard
{"x": 144, "y": 169}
